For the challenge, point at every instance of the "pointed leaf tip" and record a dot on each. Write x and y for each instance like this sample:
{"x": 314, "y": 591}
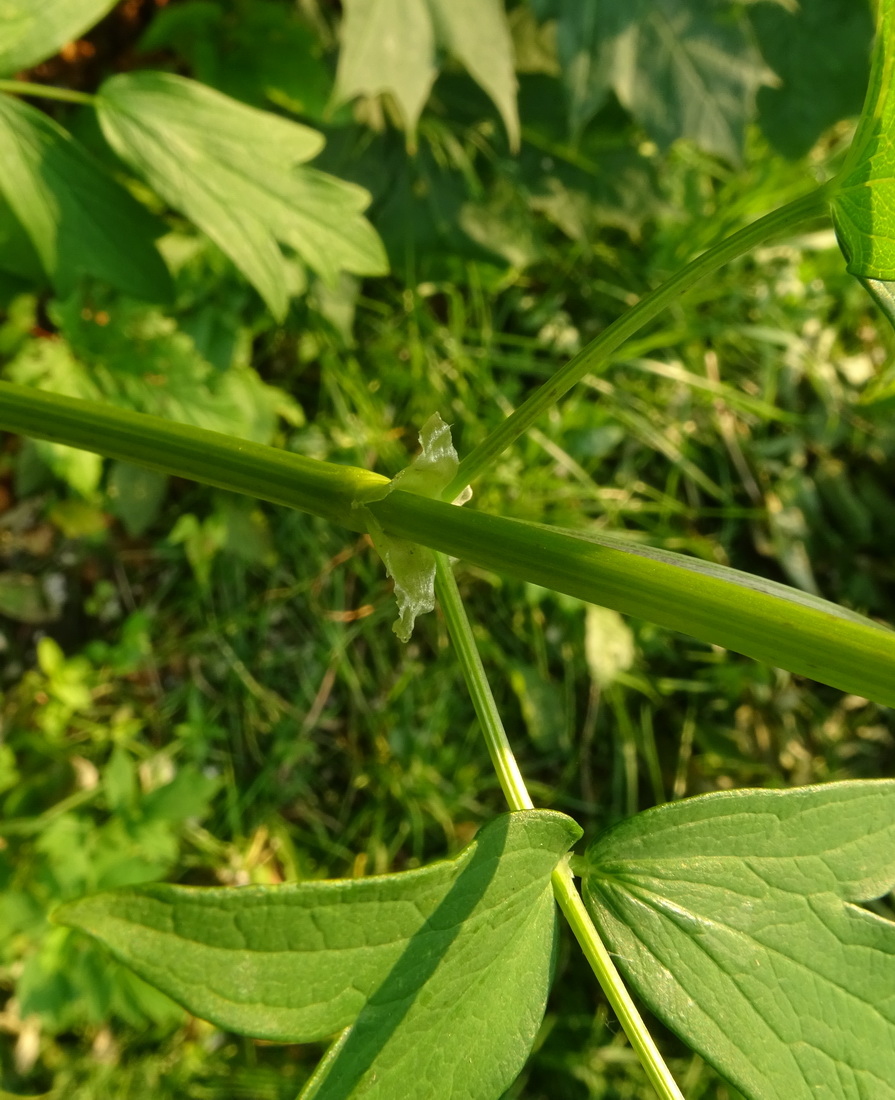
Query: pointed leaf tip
{"x": 462, "y": 950}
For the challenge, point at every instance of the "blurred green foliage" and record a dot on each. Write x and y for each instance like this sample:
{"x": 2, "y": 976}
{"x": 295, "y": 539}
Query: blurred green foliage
{"x": 199, "y": 689}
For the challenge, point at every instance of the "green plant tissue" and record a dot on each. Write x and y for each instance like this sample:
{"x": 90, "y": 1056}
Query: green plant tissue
{"x": 411, "y": 566}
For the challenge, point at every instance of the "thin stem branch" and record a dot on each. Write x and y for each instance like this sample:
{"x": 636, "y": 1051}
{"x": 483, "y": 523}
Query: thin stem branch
{"x": 794, "y": 215}
{"x": 46, "y": 91}
{"x": 511, "y": 782}
{"x": 513, "y": 786}
{"x": 610, "y": 980}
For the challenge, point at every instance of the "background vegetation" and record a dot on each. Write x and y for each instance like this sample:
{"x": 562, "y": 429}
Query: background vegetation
{"x": 203, "y": 690}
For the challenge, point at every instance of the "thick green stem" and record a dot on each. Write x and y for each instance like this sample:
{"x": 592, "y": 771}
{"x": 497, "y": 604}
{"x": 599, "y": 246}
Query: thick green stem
{"x": 764, "y": 620}
{"x": 46, "y": 91}
{"x": 795, "y": 215}
{"x": 513, "y": 786}
{"x": 322, "y": 488}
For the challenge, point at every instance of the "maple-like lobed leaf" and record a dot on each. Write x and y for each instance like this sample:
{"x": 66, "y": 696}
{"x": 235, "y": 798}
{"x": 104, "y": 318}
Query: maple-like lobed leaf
{"x": 237, "y": 173}
{"x": 680, "y": 69}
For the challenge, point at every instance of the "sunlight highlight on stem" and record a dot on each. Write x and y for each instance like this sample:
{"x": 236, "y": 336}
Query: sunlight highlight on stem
{"x": 793, "y": 216}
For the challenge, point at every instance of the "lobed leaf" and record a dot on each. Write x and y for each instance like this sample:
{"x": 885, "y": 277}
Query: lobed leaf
{"x": 35, "y": 29}
{"x": 679, "y": 68}
{"x": 234, "y": 171}
{"x": 461, "y": 951}
{"x": 390, "y": 46}
{"x": 735, "y": 917}
{"x": 79, "y": 221}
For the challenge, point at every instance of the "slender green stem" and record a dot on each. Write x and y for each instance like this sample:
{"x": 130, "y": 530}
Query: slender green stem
{"x": 46, "y": 91}
{"x": 610, "y": 980}
{"x": 511, "y": 782}
{"x": 513, "y": 786}
{"x": 792, "y": 216}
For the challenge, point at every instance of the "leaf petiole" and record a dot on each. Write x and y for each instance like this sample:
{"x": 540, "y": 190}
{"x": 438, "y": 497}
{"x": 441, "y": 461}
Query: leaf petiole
{"x": 518, "y": 798}
{"x": 511, "y": 782}
{"x": 46, "y": 91}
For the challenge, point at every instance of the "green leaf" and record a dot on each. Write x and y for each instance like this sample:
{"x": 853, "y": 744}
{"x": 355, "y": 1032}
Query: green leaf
{"x": 390, "y": 46}
{"x": 79, "y": 220}
{"x": 461, "y": 951}
{"x": 233, "y": 170}
{"x": 264, "y": 54}
{"x": 819, "y": 51}
{"x": 864, "y": 202}
{"x": 17, "y": 255}
{"x": 735, "y": 918}
{"x": 609, "y": 646}
{"x": 679, "y": 68}
{"x": 476, "y": 32}
{"x": 24, "y": 599}
{"x": 33, "y": 31}
{"x": 883, "y": 293}
{"x": 136, "y": 496}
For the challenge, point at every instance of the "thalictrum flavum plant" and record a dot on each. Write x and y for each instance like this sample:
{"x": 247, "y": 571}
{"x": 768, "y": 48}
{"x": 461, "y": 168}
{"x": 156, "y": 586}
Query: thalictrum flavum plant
{"x": 737, "y": 917}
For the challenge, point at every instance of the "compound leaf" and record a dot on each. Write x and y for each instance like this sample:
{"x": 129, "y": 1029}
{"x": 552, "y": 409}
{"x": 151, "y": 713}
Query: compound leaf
{"x": 864, "y": 202}
{"x": 388, "y": 46}
{"x": 735, "y": 917}
{"x": 476, "y": 32}
{"x": 78, "y": 219}
{"x": 679, "y": 68}
{"x": 35, "y": 29}
{"x": 460, "y": 951}
{"x": 234, "y": 171}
